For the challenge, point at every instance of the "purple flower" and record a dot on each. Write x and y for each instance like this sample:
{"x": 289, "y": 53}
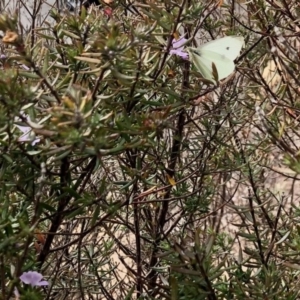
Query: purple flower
{"x": 17, "y": 294}
{"x": 4, "y": 57}
{"x": 25, "y": 67}
{"x": 27, "y": 135}
{"x": 177, "y": 47}
{"x": 33, "y": 278}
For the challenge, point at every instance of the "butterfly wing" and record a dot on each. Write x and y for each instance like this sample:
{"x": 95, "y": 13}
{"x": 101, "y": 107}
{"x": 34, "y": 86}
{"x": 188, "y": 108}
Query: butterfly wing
{"x": 203, "y": 60}
{"x": 229, "y": 46}
{"x": 203, "y": 65}
{"x": 224, "y": 65}
{"x": 221, "y": 52}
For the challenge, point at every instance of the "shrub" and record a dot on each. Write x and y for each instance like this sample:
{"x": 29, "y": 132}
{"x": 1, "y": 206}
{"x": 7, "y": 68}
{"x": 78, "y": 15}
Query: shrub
{"x": 125, "y": 174}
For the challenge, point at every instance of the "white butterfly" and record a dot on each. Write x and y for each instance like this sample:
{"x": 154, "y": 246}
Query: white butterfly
{"x": 222, "y": 52}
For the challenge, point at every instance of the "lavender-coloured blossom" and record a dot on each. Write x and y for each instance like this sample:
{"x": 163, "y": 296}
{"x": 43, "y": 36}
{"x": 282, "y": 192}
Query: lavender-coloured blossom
{"x": 25, "y": 67}
{"x": 33, "y": 278}
{"x": 4, "y": 57}
{"x": 177, "y": 48}
{"x": 16, "y": 293}
{"x": 27, "y": 136}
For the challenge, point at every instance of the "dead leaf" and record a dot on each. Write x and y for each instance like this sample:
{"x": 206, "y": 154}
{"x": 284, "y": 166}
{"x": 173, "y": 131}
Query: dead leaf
{"x": 171, "y": 180}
